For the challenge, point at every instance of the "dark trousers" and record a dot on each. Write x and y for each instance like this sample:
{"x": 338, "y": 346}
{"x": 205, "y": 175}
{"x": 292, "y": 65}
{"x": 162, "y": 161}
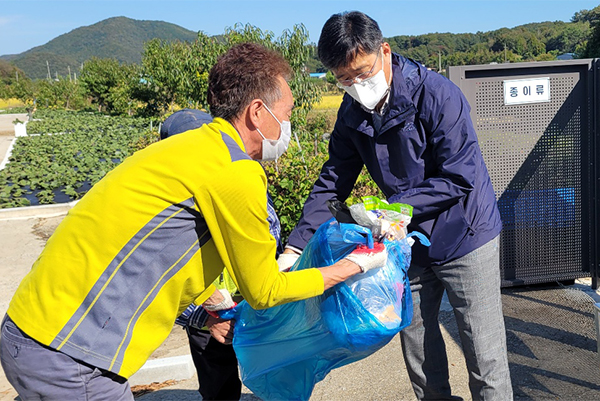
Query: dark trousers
{"x": 216, "y": 365}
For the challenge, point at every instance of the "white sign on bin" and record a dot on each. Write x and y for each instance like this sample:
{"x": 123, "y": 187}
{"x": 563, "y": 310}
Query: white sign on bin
{"x": 521, "y": 91}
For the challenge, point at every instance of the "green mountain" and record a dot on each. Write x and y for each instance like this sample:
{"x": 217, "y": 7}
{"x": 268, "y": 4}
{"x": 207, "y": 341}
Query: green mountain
{"x": 120, "y": 38}
{"x": 535, "y": 41}
{"x": 529, "y": 42}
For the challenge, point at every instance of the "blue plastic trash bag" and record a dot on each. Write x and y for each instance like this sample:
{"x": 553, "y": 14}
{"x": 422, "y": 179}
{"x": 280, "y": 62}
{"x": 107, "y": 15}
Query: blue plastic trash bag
{"x": 285, "y": 350}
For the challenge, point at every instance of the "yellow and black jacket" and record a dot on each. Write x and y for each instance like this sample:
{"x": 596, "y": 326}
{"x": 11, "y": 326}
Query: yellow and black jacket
{"x": 148, "y": 240}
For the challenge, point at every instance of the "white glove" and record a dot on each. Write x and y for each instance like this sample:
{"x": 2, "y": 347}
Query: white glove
{"x": 286, "y": 261}
{"x": 226, "y": 303}
{"x": 367, "y": 258}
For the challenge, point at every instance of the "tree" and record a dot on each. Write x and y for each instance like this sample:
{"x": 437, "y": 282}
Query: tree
{"x": 69, "y": 93}
{"x": 590, "y": 16}
{"x": 163, "y": 63}
{"x": 98, "y": 76}
{"x": 22, "y": 90}
{"x": 546, "y": 57}
{"x": 14, "y": 83}
{"x": 45, "y": 93}
{"x": 176, "y": 73}
{"x": 292, "y": 44}
{"x": 61, "y": 92}
{"x": 567, "y": 39}
{"x": 592, "y": 47}
{"x": 121, "y": 97}
{"x": 313, "y": 63}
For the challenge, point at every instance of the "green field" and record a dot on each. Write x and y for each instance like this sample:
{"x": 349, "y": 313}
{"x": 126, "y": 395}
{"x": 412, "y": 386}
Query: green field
{"x": 65, "y": 153}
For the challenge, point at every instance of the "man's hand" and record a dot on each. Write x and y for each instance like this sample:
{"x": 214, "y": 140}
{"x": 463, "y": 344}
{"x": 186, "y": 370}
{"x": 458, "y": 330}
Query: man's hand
{"x": 219, "y": 300}
{"x": 362, "y": 259}
{"x": 287, "y": 259}
{"x": 221, "y": 330}
{"x": 367, "y": 258}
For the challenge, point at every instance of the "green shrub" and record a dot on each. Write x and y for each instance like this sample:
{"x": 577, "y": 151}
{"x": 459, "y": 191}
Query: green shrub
{"x": 291, "y": 179}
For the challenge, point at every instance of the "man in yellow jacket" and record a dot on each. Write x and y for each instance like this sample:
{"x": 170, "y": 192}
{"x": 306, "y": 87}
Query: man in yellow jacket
{"x": 148, "y": 239}
{"x": 216, "y": 363}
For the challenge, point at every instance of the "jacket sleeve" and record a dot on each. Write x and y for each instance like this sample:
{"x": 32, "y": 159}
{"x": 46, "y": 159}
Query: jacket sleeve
{"x": 336, "y": 180}
{"x": 451, "y": 138}
{"x": 234, "y": 206}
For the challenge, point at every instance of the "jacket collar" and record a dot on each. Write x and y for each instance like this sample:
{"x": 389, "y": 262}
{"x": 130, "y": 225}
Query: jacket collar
{"x": 228, "y": 128}
{"x": 407, "y": 76}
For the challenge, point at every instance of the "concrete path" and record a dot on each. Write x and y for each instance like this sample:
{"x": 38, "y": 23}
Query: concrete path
{"x": 5, "y": 141}
{"x": 381, "y": 376}
{"x": 6, "y": 124}
{"x": 7, "y": 133}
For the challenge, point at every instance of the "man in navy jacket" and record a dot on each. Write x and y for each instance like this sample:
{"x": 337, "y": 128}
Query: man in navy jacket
{"x": 411, "y": 128}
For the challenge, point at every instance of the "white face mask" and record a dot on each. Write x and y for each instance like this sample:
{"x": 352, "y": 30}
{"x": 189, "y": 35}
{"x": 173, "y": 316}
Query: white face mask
{"x": 370, "y": 91}
{"x": 272, "y": 149}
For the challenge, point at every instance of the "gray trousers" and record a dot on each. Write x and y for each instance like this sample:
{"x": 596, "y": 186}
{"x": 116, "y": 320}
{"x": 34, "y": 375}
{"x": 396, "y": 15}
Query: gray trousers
{"x": 41, "y": 373}
{"x": 472, "y": 283}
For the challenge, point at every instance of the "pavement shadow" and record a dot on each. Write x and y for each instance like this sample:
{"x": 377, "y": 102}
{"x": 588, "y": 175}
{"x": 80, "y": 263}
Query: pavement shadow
{"x": 167, "y": 394}
{"x": 551, "y": 342}
{"x": 183, "y": 395}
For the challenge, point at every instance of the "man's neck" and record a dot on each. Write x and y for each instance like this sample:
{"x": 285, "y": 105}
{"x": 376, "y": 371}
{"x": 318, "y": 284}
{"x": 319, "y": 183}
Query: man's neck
{"x": 382, "y": 102}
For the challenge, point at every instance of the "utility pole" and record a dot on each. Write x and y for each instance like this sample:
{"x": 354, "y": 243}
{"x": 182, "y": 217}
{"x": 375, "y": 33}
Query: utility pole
{"x": 17, "y": 74}
{"x": 440, "y": 62}
{"x": 48, "y": 66}
{"x": 69, "y": 68}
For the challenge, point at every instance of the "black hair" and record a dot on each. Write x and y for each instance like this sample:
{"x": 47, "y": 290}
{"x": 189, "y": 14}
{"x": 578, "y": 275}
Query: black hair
{"x": 345, "y": 35}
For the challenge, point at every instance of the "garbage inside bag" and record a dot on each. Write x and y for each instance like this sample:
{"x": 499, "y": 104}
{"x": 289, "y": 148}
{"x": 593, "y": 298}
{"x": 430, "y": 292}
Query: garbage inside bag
{"x": 285, "y": 350}
{"x": 383, "y": 219}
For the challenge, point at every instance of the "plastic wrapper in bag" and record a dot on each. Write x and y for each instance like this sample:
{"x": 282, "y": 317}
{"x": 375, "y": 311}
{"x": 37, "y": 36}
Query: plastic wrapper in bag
{"x": 383, "y": 219}
{"x": 285, "y": 350}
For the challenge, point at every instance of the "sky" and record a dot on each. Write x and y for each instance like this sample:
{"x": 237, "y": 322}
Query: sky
{"x": 27, "y": 23}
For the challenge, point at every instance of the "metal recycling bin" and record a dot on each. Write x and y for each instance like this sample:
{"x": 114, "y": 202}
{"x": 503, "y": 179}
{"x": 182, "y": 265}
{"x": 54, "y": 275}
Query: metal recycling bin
{"x": 537, "y": 129}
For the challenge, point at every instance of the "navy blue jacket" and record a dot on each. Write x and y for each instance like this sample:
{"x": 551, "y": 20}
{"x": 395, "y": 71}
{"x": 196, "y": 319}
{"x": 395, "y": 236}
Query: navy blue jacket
{"x": 426, "y": 155}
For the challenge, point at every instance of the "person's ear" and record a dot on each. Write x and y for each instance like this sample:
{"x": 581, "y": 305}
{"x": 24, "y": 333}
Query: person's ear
{"x": 387, "y": 49}
{"x": 254, "y": 110}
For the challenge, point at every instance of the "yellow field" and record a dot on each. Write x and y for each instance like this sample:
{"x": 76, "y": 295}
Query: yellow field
{"x": 329, "y": 102}
{"x": 6, "y": 103}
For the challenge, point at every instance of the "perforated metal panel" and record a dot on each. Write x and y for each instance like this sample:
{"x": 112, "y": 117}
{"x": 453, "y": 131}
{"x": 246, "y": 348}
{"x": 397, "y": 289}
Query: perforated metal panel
{"x": 539, "y": 157}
